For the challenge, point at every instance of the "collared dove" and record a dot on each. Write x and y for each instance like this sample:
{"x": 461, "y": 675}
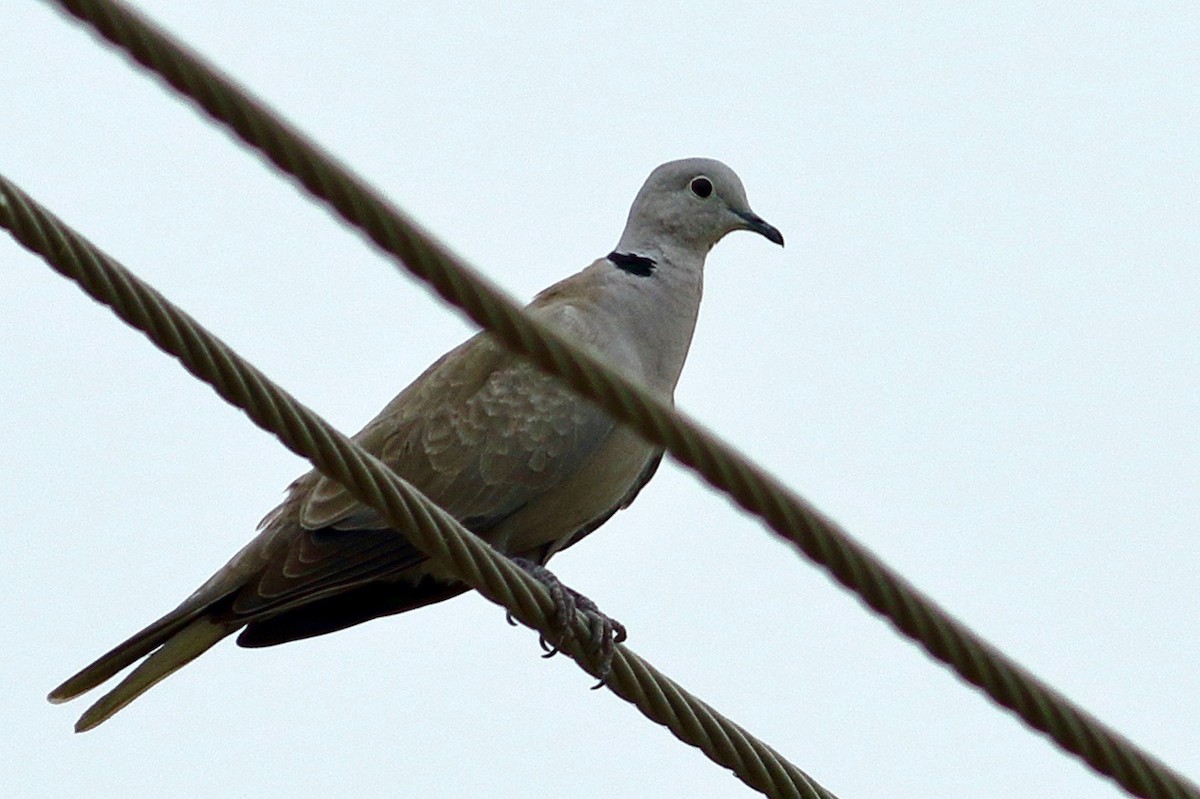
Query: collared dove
{"x": 511, "y": 453}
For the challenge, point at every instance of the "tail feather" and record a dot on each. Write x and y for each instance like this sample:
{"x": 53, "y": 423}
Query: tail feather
{"x": 124, "y": 654}
{"x": 181, "y": 647}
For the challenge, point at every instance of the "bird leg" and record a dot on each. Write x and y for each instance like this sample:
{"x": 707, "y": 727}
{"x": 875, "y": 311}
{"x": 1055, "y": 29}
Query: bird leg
{"x": 606, "y": 632}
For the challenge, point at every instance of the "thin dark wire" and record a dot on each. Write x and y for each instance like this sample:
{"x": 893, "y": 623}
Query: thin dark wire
{"x": 402, "y": 506}
{"x": 914, "y": 615}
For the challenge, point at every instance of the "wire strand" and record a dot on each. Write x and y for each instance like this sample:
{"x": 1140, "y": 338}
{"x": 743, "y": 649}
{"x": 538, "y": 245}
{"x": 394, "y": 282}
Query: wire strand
{"x": 399, "y": 504}
{"x": 788, "y": 515}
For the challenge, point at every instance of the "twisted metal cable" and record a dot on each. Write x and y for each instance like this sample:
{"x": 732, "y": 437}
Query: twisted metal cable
{"x": 403, "y": 507}
{"x": 821, "y": 540}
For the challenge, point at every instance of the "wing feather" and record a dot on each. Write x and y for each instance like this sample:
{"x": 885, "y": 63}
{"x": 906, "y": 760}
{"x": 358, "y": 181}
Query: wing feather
{"x": 482, "y": 433}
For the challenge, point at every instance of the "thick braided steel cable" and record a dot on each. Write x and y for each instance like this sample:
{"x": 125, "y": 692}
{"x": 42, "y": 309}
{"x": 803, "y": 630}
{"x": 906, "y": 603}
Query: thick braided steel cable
{"x": 429, "y": 527}
{"x": 916, "y": 616}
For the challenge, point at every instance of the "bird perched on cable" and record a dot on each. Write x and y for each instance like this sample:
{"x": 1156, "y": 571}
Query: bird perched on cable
{"x": 510, "y": 452}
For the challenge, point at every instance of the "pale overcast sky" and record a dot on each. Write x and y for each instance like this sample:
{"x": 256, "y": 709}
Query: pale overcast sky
{"x": 978, "y": 352}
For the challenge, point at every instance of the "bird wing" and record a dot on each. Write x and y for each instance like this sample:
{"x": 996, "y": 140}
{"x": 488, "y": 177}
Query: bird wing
{"x": 482, "y": 433}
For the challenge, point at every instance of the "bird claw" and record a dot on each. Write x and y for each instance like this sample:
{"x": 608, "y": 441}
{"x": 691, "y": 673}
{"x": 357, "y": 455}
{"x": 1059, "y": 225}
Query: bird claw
{"x": 605, "y": 632}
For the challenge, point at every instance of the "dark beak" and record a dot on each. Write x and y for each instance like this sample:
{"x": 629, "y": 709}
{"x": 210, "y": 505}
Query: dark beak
{"x": 759, "y": 225}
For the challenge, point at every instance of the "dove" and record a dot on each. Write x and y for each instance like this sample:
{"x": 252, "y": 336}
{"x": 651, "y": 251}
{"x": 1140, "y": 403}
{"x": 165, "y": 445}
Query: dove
{"x": 510, "y": 452}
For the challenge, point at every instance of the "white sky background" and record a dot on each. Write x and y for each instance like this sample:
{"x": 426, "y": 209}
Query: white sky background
{"x": 978, "y": 352}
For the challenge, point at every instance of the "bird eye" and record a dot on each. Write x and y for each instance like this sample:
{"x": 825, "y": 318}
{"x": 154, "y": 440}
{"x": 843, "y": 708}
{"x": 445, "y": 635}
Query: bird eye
{"x": 701, "y": 186}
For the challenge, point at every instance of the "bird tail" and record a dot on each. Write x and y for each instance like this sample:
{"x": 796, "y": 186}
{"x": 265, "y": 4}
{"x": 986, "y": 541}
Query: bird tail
{"x": 178, "y": 640}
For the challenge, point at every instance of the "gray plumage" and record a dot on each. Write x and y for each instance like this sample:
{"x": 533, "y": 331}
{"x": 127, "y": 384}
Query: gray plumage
{"x": 510, "y": 452}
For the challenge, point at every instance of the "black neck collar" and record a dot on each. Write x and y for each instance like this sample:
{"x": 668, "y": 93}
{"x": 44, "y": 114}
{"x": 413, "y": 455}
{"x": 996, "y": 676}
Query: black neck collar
{"x": 638, "y": 265}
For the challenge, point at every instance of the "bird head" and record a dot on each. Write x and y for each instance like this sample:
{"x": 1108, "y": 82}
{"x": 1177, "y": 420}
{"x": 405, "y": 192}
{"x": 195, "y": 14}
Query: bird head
{"x": 691, "y": 203}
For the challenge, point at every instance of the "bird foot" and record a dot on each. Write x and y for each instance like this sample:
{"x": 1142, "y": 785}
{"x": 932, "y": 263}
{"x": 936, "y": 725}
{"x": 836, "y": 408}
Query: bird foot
{"x": 605, "y": 632}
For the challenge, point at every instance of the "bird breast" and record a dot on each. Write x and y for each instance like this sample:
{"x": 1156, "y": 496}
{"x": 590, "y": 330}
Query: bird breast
{"x": 594, "y": 490}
